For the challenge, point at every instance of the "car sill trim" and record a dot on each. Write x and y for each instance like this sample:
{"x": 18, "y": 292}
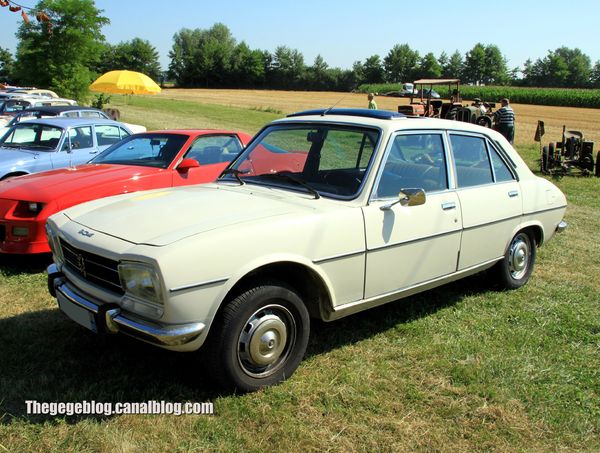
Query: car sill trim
{"x": 198, "y": 285}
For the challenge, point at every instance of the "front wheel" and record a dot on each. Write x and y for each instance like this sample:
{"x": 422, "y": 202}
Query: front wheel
{"x": 260, "y": 337}
{"x": 514, "y": 270}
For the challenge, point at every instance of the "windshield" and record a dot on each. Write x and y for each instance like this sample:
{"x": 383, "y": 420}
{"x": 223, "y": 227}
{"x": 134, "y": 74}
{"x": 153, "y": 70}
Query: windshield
{"x": 147, "y": 150}
{"x": 32, "y": 136}
{"x": 320, "y": 159}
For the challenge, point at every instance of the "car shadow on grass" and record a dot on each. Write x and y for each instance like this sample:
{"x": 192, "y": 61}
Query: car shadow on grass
{"x": 47, "y": 358}
{"x": 20, "y": 264}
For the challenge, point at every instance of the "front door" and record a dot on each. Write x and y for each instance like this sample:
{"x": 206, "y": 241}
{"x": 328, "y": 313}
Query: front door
{"x": 410, "y": 245}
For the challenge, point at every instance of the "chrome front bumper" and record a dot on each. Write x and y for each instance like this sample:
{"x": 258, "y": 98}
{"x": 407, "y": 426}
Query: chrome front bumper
{"x": 110, "y": 318}
{"x": 562, "y": 226}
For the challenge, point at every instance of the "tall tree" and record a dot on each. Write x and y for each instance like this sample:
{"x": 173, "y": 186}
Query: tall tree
{"x": 6, "y": 65}
{"x": 373, "y": 70}
{"x": 595, "y": 75}
{"x": 429, "y": 68}
{"x": 135, "y": 55}
{"x": 202, "y": 57}
{"x": 247, "y": 67}
{"x": 400, "y": 63}
{"x": 496, "y": 69}
{"x": 475, "y": 64}
{"x": 59, "y": 55}
{"x": 288, "y": 67}
{"x": 454, "y": 67}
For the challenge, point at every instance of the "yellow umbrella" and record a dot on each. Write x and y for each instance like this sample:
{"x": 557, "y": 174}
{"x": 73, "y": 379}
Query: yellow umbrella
{"x": 125, "y": 82}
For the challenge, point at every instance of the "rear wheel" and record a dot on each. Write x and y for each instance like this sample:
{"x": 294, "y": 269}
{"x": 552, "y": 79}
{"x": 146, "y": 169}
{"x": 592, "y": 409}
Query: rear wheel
{"x": 260, "y": 337}
{"x": 598, "y": 164}
{"x": 515, "y": 268}
{"x": 484, "y": 121}
{"x": 551, "y": 151}
{"x": 452, "y": 113}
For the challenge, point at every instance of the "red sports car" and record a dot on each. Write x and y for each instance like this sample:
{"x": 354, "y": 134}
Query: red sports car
{"x": 144, "y": 161}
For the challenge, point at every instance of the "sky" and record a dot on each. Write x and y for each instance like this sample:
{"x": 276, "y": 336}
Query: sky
{"x": 345, "y": 31}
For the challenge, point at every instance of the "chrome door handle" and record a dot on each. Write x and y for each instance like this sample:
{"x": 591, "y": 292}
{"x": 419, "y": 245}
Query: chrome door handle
{"x": 513, "y": 193}
{"x": 449, "y": 205}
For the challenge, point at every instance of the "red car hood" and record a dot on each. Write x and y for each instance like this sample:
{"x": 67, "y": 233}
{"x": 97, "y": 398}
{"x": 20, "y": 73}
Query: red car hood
{"x": 82, "y": 183}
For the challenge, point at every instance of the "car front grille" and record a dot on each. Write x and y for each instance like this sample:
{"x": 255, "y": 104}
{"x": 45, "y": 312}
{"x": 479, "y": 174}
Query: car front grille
{"x": 93, "y": 268}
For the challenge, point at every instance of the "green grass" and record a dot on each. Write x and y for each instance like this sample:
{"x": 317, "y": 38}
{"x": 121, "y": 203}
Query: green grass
{"x": 460, "y": 368}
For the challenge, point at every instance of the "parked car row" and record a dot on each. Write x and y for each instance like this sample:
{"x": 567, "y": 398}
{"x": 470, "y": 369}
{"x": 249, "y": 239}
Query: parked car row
{"x": 321, "y": 214}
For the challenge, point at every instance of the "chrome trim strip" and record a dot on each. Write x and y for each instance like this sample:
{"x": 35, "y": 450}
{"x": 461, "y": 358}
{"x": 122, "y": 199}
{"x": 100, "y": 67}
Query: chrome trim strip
{"x": 163, "y": 335}
{"x": 425, "y": 238}
{"x": 479, "y": 225}
{"x": 198, "y": 285}
{"x": 338, "y": 257}
{"x": 364, "y": 304}
{"x": 545, "y": 210}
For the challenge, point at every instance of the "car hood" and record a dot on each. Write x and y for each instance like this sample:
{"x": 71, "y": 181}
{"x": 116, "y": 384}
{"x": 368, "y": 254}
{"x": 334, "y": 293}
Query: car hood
{"x": 83, "y": 182}
{"x": 161, "y": 217}
{"x": 12, "y": 155}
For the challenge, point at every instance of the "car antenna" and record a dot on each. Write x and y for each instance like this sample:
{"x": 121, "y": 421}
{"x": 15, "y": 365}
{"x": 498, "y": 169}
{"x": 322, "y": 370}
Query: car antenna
{"x": 325, "y": 112}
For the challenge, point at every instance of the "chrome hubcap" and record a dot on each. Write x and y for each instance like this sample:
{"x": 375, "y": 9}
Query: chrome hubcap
{"x": 518, "y": 256}
{"x": 266, "y": 340}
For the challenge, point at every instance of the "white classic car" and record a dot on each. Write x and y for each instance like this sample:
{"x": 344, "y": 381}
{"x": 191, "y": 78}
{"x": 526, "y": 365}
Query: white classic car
{"x": 324, "y": 214}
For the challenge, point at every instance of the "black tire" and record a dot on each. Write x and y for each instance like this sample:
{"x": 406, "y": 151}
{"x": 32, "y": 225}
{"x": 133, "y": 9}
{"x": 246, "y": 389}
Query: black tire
{"x": 259, "y": 338}
{"x": 452, "y": 113}
{"x": 544, "y": 160}
{"x": 514, "y": 270}
{"x": 552, "y": 151}
{"x": 598, "y": 164}
{"x": 484, "y": 121}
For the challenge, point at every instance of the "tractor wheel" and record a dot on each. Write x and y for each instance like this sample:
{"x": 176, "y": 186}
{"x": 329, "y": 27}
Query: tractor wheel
{"x": 551, "y": 151}
{"x": 598, "y": 164}
{"x": 484, "y": 121}
{"x": 452, "y": 113}
{"x": 544, "y": 160}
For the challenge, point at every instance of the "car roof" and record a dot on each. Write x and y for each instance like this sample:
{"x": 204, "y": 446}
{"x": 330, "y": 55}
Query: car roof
{"x": 386, "y": 121}
{"x": 70, "y": 122}
{"x": 56, "y": 109}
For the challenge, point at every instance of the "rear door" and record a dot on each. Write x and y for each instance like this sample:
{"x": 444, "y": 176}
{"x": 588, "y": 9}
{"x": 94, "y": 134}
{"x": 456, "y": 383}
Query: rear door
{"x": 490, "y": 198}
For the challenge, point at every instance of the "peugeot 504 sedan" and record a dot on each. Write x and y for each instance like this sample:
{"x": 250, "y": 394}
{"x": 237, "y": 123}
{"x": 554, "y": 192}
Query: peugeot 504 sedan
{"x": 324, "y": 214}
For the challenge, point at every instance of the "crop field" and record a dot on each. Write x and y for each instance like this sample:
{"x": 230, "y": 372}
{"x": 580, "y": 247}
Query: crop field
{"x": 460, "y": 368}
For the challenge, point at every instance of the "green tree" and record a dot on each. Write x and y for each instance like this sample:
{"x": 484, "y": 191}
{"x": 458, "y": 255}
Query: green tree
{"x": 135, "y": 55}
{"x": 400, "y": 63}
{"x": 496, "y": 69}
{"x": 454, "y": 67}
{"x": 475, "y": 65}
{"x": 373, "y": 70}
{"x": 595, "y": 75}
{"x": 6, "y": 65}
{"x": 202, "y": 57}
{"x": 287, "y": 68}
{"x": 429, "y": 68}
{"x": 60, "y": 55}
{"x": 247, "y": 67}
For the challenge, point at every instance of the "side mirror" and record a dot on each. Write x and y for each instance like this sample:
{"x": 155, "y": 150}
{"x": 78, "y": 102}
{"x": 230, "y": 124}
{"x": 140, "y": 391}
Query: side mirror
{"x": 407, "y": 197}
{"x": 186, "y": 164}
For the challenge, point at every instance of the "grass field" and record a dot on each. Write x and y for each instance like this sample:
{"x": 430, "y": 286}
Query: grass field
{"x": 460, "y": 368}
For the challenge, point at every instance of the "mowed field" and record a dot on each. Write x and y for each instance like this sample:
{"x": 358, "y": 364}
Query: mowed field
{"x": 460, "y": 368}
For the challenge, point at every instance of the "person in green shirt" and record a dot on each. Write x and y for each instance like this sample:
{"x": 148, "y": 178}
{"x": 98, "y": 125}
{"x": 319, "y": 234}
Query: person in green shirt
{"x": 372, "y": 103}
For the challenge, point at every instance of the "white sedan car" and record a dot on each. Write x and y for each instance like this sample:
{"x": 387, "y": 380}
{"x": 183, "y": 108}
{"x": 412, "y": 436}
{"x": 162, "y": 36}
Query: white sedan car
{"x": 324, "y": 214}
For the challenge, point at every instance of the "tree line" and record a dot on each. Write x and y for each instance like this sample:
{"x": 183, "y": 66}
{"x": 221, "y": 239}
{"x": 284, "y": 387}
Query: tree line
{"x": 69, "y": 51}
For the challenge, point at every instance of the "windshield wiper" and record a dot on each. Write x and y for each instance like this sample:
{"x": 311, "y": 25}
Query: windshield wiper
{"x": 294, "y": 179}
{"x": 236, "y": 174}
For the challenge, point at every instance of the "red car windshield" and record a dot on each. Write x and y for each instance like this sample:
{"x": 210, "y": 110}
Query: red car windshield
{"x": 147, "y": 150}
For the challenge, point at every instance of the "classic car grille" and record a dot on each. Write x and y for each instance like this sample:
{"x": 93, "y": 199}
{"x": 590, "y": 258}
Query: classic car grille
{"x": 2, "y": 233}
{"x": 93, "y": 268}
